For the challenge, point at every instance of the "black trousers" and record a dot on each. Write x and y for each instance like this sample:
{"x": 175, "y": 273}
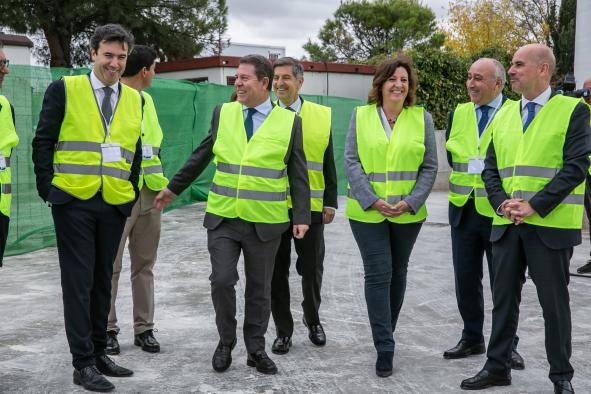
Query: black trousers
{"x": 4, "y": 223}
{"x": 588, "y": 200}
{"x": 225, "y": 243}
{"x": 88, "y": 234}
{"x": 518, "y": 248}
{"x": 310, "y": 266}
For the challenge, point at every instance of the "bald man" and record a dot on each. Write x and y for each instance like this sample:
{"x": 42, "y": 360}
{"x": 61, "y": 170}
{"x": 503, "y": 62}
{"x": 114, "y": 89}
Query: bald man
{"x": 534, "y": 175}
{"x": 586, "y": 268}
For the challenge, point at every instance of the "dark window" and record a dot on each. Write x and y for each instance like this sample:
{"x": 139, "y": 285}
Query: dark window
{"x": 230, "y": 80}
{"x": 197, "y": 80}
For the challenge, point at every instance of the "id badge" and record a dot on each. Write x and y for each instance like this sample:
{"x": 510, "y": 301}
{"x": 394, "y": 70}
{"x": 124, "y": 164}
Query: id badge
{"x": 147, "y": 152}
{"x": 475, "y": 165}
{"x": 2, "y": 162}
{"x": 111, "y": 153}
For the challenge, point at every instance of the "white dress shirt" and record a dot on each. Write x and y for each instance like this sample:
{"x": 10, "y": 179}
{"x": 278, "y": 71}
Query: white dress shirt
{"x": 99, "y": 93}
{"x": 540, "y": 101}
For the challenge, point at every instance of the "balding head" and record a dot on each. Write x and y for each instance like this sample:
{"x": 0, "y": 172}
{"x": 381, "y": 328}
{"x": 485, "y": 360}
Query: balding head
{"x": 531, "y": 70}
{"x": 485, "y": 81}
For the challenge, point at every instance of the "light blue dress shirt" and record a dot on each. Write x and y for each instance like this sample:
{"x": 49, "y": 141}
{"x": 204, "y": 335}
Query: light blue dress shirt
{"x": 259, "y": 117}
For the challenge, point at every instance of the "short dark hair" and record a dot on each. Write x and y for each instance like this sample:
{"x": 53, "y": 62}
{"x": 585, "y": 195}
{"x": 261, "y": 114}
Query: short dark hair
{"x": 262, "y": 67}
{"x": 141, "y": 56}
{"x": 296, "y": 67}
{"x": 110, "y": 33}
{"x": 384, "y": 71}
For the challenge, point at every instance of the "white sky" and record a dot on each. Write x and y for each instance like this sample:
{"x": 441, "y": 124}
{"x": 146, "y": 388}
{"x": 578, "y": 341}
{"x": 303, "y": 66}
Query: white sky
{"x": 289, "y": 23}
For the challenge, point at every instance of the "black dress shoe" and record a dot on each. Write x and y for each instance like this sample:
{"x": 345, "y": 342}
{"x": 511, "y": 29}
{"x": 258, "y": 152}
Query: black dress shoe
{"x": 563, "y": 387}
{"x": 484, "y": 379}
{"x": 281, "y": 345}
{"x": 262, "y": 362}
{"x": 109, "y": 368}
{"x": 585, "y": 269}
{"x": 464, "y": 349}
{"x": 384, "y": 364}
{"x": 315, "y": 333}
{"x": 517, "y": 361}
{"x": 222, "y": 357}
{"x": 147, "y": 341}
{"x": 112, "y": 344}
{"x": 91, "y": 379}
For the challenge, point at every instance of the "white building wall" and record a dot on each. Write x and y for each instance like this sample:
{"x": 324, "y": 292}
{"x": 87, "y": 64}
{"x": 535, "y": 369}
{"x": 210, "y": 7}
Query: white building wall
{"x": 18, "y": 54}
{"x": 583, "y": 42}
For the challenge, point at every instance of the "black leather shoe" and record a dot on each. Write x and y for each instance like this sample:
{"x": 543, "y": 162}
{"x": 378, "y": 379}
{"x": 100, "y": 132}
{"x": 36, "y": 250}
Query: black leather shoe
{"x": 315, "y": 333}
{"x": 262, "y": 362}
{"x": 109, "y": 368}
{"x": 563, "y": 387}
{"x": 484, "y": 379}
{"x": 384, "y": 364}
{"x": 464, "y": 349}
{"x": 517, "y": 361}
{"x": 91, "y": 379}
{"x": 112, "y": 344}
{"x": 585, "y": 269}
{"x": 222, "y": 357}
{"x": 281, "y": 345}
{"x": 147, "y": 341}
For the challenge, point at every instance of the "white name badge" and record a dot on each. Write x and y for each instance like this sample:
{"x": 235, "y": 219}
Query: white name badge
{"x": 2, "y": 162}
{"x": 111, "y": 153}
{"x": 147, "y": 152}
{"x": 475, "y": 165}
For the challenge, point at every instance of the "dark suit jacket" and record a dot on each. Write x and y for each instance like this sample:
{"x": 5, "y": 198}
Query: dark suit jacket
{"x": 455, "y": 212}
{"x": 296, "y": 172}
{"x": 576, "y": 149}
{"x": 48, "y": 130}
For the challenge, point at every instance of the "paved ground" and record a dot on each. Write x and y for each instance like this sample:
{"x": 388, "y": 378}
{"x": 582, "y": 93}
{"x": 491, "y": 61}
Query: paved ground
{"x": 34, "y": 356}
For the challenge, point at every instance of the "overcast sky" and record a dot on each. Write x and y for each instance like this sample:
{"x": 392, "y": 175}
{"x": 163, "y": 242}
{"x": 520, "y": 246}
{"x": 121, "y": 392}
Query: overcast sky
{"x": 289, "y": 23}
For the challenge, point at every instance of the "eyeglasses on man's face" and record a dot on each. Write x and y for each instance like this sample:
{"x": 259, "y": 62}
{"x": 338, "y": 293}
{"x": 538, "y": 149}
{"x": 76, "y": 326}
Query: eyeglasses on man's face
{"x": 4, "y": 63}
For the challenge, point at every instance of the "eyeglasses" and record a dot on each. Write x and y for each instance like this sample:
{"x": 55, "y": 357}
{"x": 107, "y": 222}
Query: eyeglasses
{"x": 4, "y": 63}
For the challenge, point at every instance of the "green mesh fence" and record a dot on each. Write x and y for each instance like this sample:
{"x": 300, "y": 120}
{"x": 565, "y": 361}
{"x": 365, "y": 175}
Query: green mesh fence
{"x": 184, "y": 110}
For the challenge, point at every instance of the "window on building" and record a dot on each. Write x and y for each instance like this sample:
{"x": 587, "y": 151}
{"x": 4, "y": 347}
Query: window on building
{"x": 197, "y": 80}
{"x": 274, "y": 56}
{"x": 230, "y": 80}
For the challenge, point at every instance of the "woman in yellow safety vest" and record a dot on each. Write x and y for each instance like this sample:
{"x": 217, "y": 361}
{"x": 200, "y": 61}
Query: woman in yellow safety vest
{"x": 391, "y": 164}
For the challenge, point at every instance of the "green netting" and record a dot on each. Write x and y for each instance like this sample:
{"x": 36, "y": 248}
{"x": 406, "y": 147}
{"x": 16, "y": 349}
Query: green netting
{"x": 184, "y": 109}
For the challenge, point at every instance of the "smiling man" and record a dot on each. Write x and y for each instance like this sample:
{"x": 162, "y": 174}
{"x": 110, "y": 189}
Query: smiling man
{"x": 470, "y": 213}
{"x": 257, "y": 149}
{"x": 87, "y": 156}
{"x": 288, "y": 78}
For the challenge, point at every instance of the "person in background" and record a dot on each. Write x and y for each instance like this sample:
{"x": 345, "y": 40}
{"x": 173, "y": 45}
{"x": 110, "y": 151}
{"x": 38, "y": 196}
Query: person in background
{"x": 586, "y": 268}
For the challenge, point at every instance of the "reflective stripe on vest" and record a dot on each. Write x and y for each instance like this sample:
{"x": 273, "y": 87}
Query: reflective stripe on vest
{"x": 392, "y": 165}
{"x": 250, "y": 180}
{"x": 152, "y": 172}
{"x": 8, "y": 140}
{"x": 78, "y": 163}
{"x": 529, "y": 160}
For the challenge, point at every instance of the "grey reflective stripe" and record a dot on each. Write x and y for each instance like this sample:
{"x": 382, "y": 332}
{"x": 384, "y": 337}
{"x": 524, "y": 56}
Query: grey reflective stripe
{"x": 77, "y": 169}
{"x": 6, "y": 188}
{"x": 460, "y": 167}
{"x": 316, "y": 193}
{"x": 248, "y": 194}
{"x": 540, "y": 172}
{"x": 480, "y": 192}
{"x": 251, "y": 171}
{"x": 315, "y": 166}
{"x": 152, "y": 170}
{"x": 402, "y": 175}
{"x": 460, "y": 189}
{"x": 576, "y": 199}
{"x": 376, "y": 177}
{"x": 86, "y": 146}
{"x": 506, "y": 172}
{"x": 394, "y": 199}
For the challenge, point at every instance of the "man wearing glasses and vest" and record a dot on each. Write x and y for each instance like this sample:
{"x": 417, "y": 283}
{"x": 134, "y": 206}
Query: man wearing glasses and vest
{"x": 287, "y": 81}
{"x": 258, "y": 151}
{"x": 87, "y": 156}
{"x": 470, "y": 213}
{"x": 535, "y": 179}
{"x": 8, "y": 140}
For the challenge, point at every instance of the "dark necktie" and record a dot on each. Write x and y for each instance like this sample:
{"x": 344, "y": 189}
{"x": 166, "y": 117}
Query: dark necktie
{"x": 106, "y": 107}
{"x": 483, "y": 119}
{"x": 291, "y": 109}
{"x": 248, "y": 123}
{"x": 531, "y": 112}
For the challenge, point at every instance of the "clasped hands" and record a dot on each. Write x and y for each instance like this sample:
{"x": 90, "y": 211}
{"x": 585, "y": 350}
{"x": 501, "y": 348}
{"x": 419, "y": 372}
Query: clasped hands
{"x": 516, "y": 210}
{"x": 391, "y": 211}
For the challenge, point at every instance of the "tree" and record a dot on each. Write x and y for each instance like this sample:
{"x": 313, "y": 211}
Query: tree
{"x": 176, "y": 29}
{"x": 563, "y": 38}
{"x": 362, "y": 30}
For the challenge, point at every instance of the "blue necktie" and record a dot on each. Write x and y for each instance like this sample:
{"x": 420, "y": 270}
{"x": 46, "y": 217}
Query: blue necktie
{"x": 248, "y": 124}
{"x": 483, "y": 119}
{"x": 531, "y": 112}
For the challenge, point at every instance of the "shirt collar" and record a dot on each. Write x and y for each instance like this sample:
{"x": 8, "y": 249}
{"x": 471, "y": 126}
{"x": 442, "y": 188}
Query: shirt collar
{"x": 495, "y": 103}
{"x": 296, "y": 105}
{"x": 264, "y": 108}
{"x": 541, "y": 100}
{"x": 97, "y": 84}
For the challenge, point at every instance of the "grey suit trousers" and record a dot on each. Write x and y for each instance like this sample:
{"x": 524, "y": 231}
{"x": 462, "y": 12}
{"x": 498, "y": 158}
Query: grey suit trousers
{"x": 225, "y": 243}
